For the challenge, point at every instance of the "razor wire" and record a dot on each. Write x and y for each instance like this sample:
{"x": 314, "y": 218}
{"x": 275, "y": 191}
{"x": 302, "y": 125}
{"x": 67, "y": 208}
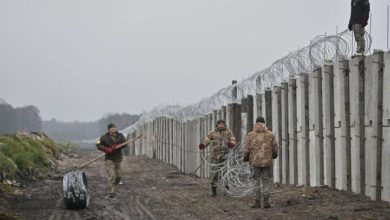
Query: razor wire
{"x": 323, "y": 49}
{"x": 233, "y": 172}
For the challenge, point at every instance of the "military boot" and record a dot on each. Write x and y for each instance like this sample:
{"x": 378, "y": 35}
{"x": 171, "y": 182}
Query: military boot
{"x": 213, "y": 191}
{"x": 266, "y": 204}
{"x": 256, "y": 205}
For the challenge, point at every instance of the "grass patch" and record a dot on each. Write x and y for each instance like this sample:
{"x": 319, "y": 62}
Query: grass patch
{"x": 27, "y": 155}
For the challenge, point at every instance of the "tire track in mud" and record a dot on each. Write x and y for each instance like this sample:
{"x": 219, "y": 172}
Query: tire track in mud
{"x": 55, "y": 211}
{"x": 127, "y": 203}
{"x": 144, "y": 208}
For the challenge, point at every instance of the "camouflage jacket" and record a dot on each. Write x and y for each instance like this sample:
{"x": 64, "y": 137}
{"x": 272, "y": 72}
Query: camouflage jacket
{"x": 218, "y": 139}
{"x": 260, "y": 146}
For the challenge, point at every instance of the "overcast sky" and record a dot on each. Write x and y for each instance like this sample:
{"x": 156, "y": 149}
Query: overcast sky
{"x": 81, "y": 59}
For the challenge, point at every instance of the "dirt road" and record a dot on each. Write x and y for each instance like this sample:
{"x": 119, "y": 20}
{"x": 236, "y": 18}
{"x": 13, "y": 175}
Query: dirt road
{"x": 155, "y": 190}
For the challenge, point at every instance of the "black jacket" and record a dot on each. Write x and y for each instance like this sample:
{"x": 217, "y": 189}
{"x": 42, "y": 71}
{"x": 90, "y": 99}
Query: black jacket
{"x": 359, "y": 10}
{"x": 108, "y": 140}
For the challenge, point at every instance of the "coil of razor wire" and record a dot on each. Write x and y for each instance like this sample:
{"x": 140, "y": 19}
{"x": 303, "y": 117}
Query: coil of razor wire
{"x": 233, "y": 172}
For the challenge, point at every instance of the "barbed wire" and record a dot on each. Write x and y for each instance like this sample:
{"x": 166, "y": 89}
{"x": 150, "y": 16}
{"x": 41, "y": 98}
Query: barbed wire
{"x": 321, "y": 49}
{"x": 233, "y": 171}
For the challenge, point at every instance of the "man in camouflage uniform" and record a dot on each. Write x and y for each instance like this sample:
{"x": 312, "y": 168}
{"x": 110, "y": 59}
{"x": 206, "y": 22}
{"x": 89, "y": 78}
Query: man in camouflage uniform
{"x": 221, "y": 139}
{"x": 260, "y": 148}
{"x": 113, "y": 157}
{"x": 360, "y": 11}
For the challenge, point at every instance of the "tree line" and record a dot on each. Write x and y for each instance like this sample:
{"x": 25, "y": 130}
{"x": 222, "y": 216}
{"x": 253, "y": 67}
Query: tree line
{"x": 25, "y": 118}
{"x": 77, "y": 131}
{"x": 28, "y": 119}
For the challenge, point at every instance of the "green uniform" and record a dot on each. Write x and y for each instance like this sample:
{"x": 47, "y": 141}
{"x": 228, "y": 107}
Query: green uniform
{"x": 114, "y": 159}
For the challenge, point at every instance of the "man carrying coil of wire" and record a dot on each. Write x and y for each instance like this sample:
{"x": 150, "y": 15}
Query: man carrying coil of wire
{"x": 260, "y": 148}
{"x": 222, "y": 140}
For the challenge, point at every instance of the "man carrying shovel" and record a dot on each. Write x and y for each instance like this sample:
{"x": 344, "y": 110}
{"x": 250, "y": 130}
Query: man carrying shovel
{"x": 113, "y": 157}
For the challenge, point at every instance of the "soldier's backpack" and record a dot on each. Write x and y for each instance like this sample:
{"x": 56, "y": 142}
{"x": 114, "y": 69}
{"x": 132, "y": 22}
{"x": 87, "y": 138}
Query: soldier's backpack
{"x": 75, "y": 189}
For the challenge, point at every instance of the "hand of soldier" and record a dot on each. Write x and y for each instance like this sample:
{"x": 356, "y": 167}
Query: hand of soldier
{"x": 202, "y": 146}
{"x": 274, "y": 154}
{"x": 230, "y": 145}
{"x": 364, "y": 21}
{"x": 107, "y": 150}
{"x": 114, "y": 147}
{"x": 350, "y": 26}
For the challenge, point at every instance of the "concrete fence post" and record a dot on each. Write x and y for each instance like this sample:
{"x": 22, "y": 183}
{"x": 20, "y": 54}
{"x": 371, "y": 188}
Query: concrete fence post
{"x": 154, "y": 138}
{"x": 180, "y": 145}
{"x": 215, "y": 117}
{"x": 202, "y": 121}
{"x": 373, "y": 112}
{"x": 292, "y": 130}
{"x": 190, "y": 163}
{"x": 277, "y": 130}
{"x": 208, "y": 126}
{"x": 234, "y": 119}
{"x": 159, "y": 134}
{"x": 356, "y": 92}
{"x": 259, "y": 105}
{"x": 223, "y": 109}
{"x": 244, "y": 118}
{"x": 386, "y": 130}
{"x": 316, "y": 129}
{"x": 126, "y": 150}
{"x": 219, "y": 114}
{"x": 267, "y": 109}
{"x": 184, "y": 147}
{"x": 328, "y": 122}
{"x": 285, "y": 147}
{"x": 342, "y": 125}
{"x": 171, "y": 140}
{"x": 303, "y": 139}
{"x": 164, "y": 139}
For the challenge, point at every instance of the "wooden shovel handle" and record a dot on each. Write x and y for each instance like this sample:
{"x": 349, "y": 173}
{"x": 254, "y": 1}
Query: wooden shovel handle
{"x": 116, "y": 147}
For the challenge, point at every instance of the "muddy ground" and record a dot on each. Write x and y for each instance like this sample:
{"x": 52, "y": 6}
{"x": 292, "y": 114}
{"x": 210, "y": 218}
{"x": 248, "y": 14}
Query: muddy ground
{"x": 156, "y": 190}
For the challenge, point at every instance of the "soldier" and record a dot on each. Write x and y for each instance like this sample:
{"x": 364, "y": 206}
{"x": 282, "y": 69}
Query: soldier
{"x": 360, "y": 10}
{"x": 260, "y": 148}
{"x": 221, "y": 139}
{"x": 113, "y": 157}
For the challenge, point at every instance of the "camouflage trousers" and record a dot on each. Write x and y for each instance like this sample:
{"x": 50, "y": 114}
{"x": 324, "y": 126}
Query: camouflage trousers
{"x": 263, "y": 178}
{"x": 114, "y": 173}
{"x": 215, "y": 171}
{"x": 358, "y": 31}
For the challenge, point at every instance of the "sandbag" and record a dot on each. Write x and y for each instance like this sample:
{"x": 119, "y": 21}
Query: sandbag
{"x": 75, "y": 189}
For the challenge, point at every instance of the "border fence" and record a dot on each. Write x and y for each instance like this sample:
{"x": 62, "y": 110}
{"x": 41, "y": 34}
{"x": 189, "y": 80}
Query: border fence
{"x": 330, "y": 114}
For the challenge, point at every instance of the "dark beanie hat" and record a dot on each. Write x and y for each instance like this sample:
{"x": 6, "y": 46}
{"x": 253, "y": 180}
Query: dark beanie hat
{"x": 221, "y": 121}
{"x": 260, "y": 119}
{"x": 111, "y": 125}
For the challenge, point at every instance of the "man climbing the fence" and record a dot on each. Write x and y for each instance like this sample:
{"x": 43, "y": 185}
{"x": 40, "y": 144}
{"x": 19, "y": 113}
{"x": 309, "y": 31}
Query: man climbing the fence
{"x": 107, "y": 144}
{"x": 222, "y": 140}
{"x": 260, "y": 148}
{"x": 360, "y": 11}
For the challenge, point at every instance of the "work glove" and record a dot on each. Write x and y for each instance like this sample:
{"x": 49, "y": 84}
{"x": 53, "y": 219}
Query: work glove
{"x": 230, "y": 145}
{"x": 364, "y": 21}
{"x": 107, "y": 150}
{"x": 350, "y": 26}
{"x": 274, "y": 154}
{"x": 202, "y": 146}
